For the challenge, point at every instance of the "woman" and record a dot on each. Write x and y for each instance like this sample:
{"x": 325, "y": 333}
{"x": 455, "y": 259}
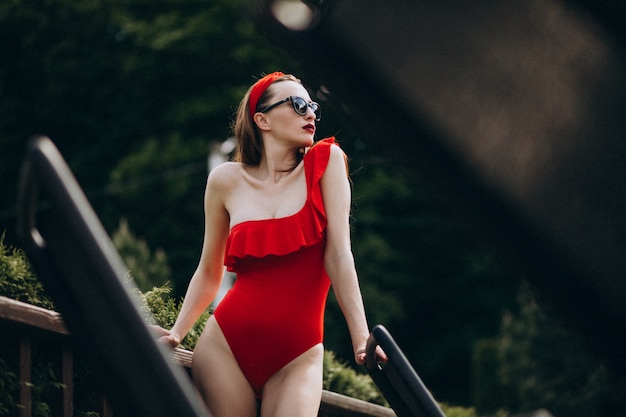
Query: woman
{"x": 278, "y": 216}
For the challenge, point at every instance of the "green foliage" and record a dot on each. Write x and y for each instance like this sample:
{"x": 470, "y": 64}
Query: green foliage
{"x": 487, "y": 391}
{"x": 543, "y": 365}
{"x": 104, "y": 78}
{"x": 45, "y": 383}
{"x": 47, "y": 388}
{"x": 17, "y": 279}
{"x": 9, "y": 389}
{"x": 453, "y": 411}
{"x": 536, "y": 362}
{"x": 340, "y": 378}
{"x": 456, "y": 411}
{"x": 147, "y": 269}
{"x": 163, "y": 309}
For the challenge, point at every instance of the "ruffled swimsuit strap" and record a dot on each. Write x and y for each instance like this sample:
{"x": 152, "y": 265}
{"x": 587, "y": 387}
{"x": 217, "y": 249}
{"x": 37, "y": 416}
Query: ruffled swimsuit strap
{"x": 315, "y": 163}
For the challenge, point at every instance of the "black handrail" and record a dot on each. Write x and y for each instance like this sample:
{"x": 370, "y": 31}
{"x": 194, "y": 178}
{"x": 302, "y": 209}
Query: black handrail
{"x": 86, "y": 278}
{"x": 396, "y": 378}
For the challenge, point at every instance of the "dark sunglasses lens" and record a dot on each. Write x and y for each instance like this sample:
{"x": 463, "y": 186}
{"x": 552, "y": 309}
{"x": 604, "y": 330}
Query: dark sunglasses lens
{"x": 299, "y": 105}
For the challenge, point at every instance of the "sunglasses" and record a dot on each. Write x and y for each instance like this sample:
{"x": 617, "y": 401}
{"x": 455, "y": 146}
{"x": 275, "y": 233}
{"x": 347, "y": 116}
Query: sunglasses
{"x": 300, "y": 106}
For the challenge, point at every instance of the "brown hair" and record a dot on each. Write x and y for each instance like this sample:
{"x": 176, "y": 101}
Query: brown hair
{"x": 247, "y": 135}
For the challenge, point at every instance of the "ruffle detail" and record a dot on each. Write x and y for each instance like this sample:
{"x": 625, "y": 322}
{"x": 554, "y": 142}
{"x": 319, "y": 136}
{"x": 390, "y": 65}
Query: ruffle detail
{"x": 285, "y": 235}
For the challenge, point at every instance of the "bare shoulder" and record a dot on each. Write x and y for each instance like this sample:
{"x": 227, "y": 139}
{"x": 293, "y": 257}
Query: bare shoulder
{"x": 336, "y": 150}
{"x": 224, "y": 176}
{"x": 338, "y": 160}
{"x": 336, "y": 191}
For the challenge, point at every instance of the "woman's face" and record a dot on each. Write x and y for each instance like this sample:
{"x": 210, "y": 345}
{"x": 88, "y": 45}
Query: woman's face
{"x": 283, "y": 121}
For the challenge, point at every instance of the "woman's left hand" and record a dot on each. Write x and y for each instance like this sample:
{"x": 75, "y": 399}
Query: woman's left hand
{"x": 165, "y": 336}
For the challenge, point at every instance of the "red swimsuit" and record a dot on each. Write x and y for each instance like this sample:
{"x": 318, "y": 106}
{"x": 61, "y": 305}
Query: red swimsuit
{"x": 275, "y": 310}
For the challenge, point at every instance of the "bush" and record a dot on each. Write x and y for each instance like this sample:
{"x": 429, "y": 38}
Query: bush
{"x": 9, "y": 388}
{"x": 544, "y": 365}
{"x": 162, "y": 310}
{"x": 342, "y": 379}
{"x": 17, "y": 280}
{"x": 456, "y": 411}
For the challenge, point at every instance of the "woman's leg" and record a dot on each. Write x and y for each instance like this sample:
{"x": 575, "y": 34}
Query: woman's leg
{"x": 219, "y": 379}
{"x": 296, "y": 389}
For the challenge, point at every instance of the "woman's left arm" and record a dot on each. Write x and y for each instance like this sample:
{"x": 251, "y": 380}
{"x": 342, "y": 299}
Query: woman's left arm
{"x": 338, "y": 258}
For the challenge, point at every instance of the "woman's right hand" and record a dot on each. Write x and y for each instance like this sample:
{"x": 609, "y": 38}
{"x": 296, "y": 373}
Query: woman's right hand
{"x": 166, "y": 336}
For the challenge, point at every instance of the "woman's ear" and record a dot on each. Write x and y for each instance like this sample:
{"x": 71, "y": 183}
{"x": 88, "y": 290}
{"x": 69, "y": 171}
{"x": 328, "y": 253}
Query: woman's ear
{"x": 261, "y": 121}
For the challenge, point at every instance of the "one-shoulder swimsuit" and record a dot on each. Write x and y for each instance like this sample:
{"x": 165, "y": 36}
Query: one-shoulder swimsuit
{"x": 275, "y": 310}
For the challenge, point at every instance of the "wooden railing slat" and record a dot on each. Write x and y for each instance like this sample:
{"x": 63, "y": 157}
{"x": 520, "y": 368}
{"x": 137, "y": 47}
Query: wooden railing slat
{"x": 106, "y": 410}
{"x": 31, "y": 315}
{"x": 351, "y": 407}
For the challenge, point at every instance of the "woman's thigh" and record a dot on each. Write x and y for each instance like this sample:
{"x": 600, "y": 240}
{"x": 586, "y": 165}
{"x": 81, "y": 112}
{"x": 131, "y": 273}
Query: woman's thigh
{"x": 218, "y": 377}
{"x": 296, "y": 389}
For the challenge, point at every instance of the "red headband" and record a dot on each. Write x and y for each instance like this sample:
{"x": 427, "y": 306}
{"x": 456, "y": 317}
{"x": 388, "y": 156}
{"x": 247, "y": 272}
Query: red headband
{"x": 259, "y": 88}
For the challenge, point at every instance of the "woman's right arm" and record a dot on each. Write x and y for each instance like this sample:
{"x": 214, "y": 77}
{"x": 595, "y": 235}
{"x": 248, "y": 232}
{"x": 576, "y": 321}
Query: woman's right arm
{"x": 207, "y": 278}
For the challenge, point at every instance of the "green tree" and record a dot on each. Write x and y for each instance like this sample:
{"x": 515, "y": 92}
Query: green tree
{"x": 542, "y": 364}
{"x": 147, "y": 269}
{"x": 102, "y": 77}
{"x": 195, "y": 61}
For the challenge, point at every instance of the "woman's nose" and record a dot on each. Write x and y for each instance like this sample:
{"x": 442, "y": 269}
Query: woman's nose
{"x": 309, "y": 112}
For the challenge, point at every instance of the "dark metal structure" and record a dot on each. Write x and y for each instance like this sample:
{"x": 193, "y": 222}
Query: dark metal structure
{"x": 88, "y": 282}
{"x": 397, "y": 379}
